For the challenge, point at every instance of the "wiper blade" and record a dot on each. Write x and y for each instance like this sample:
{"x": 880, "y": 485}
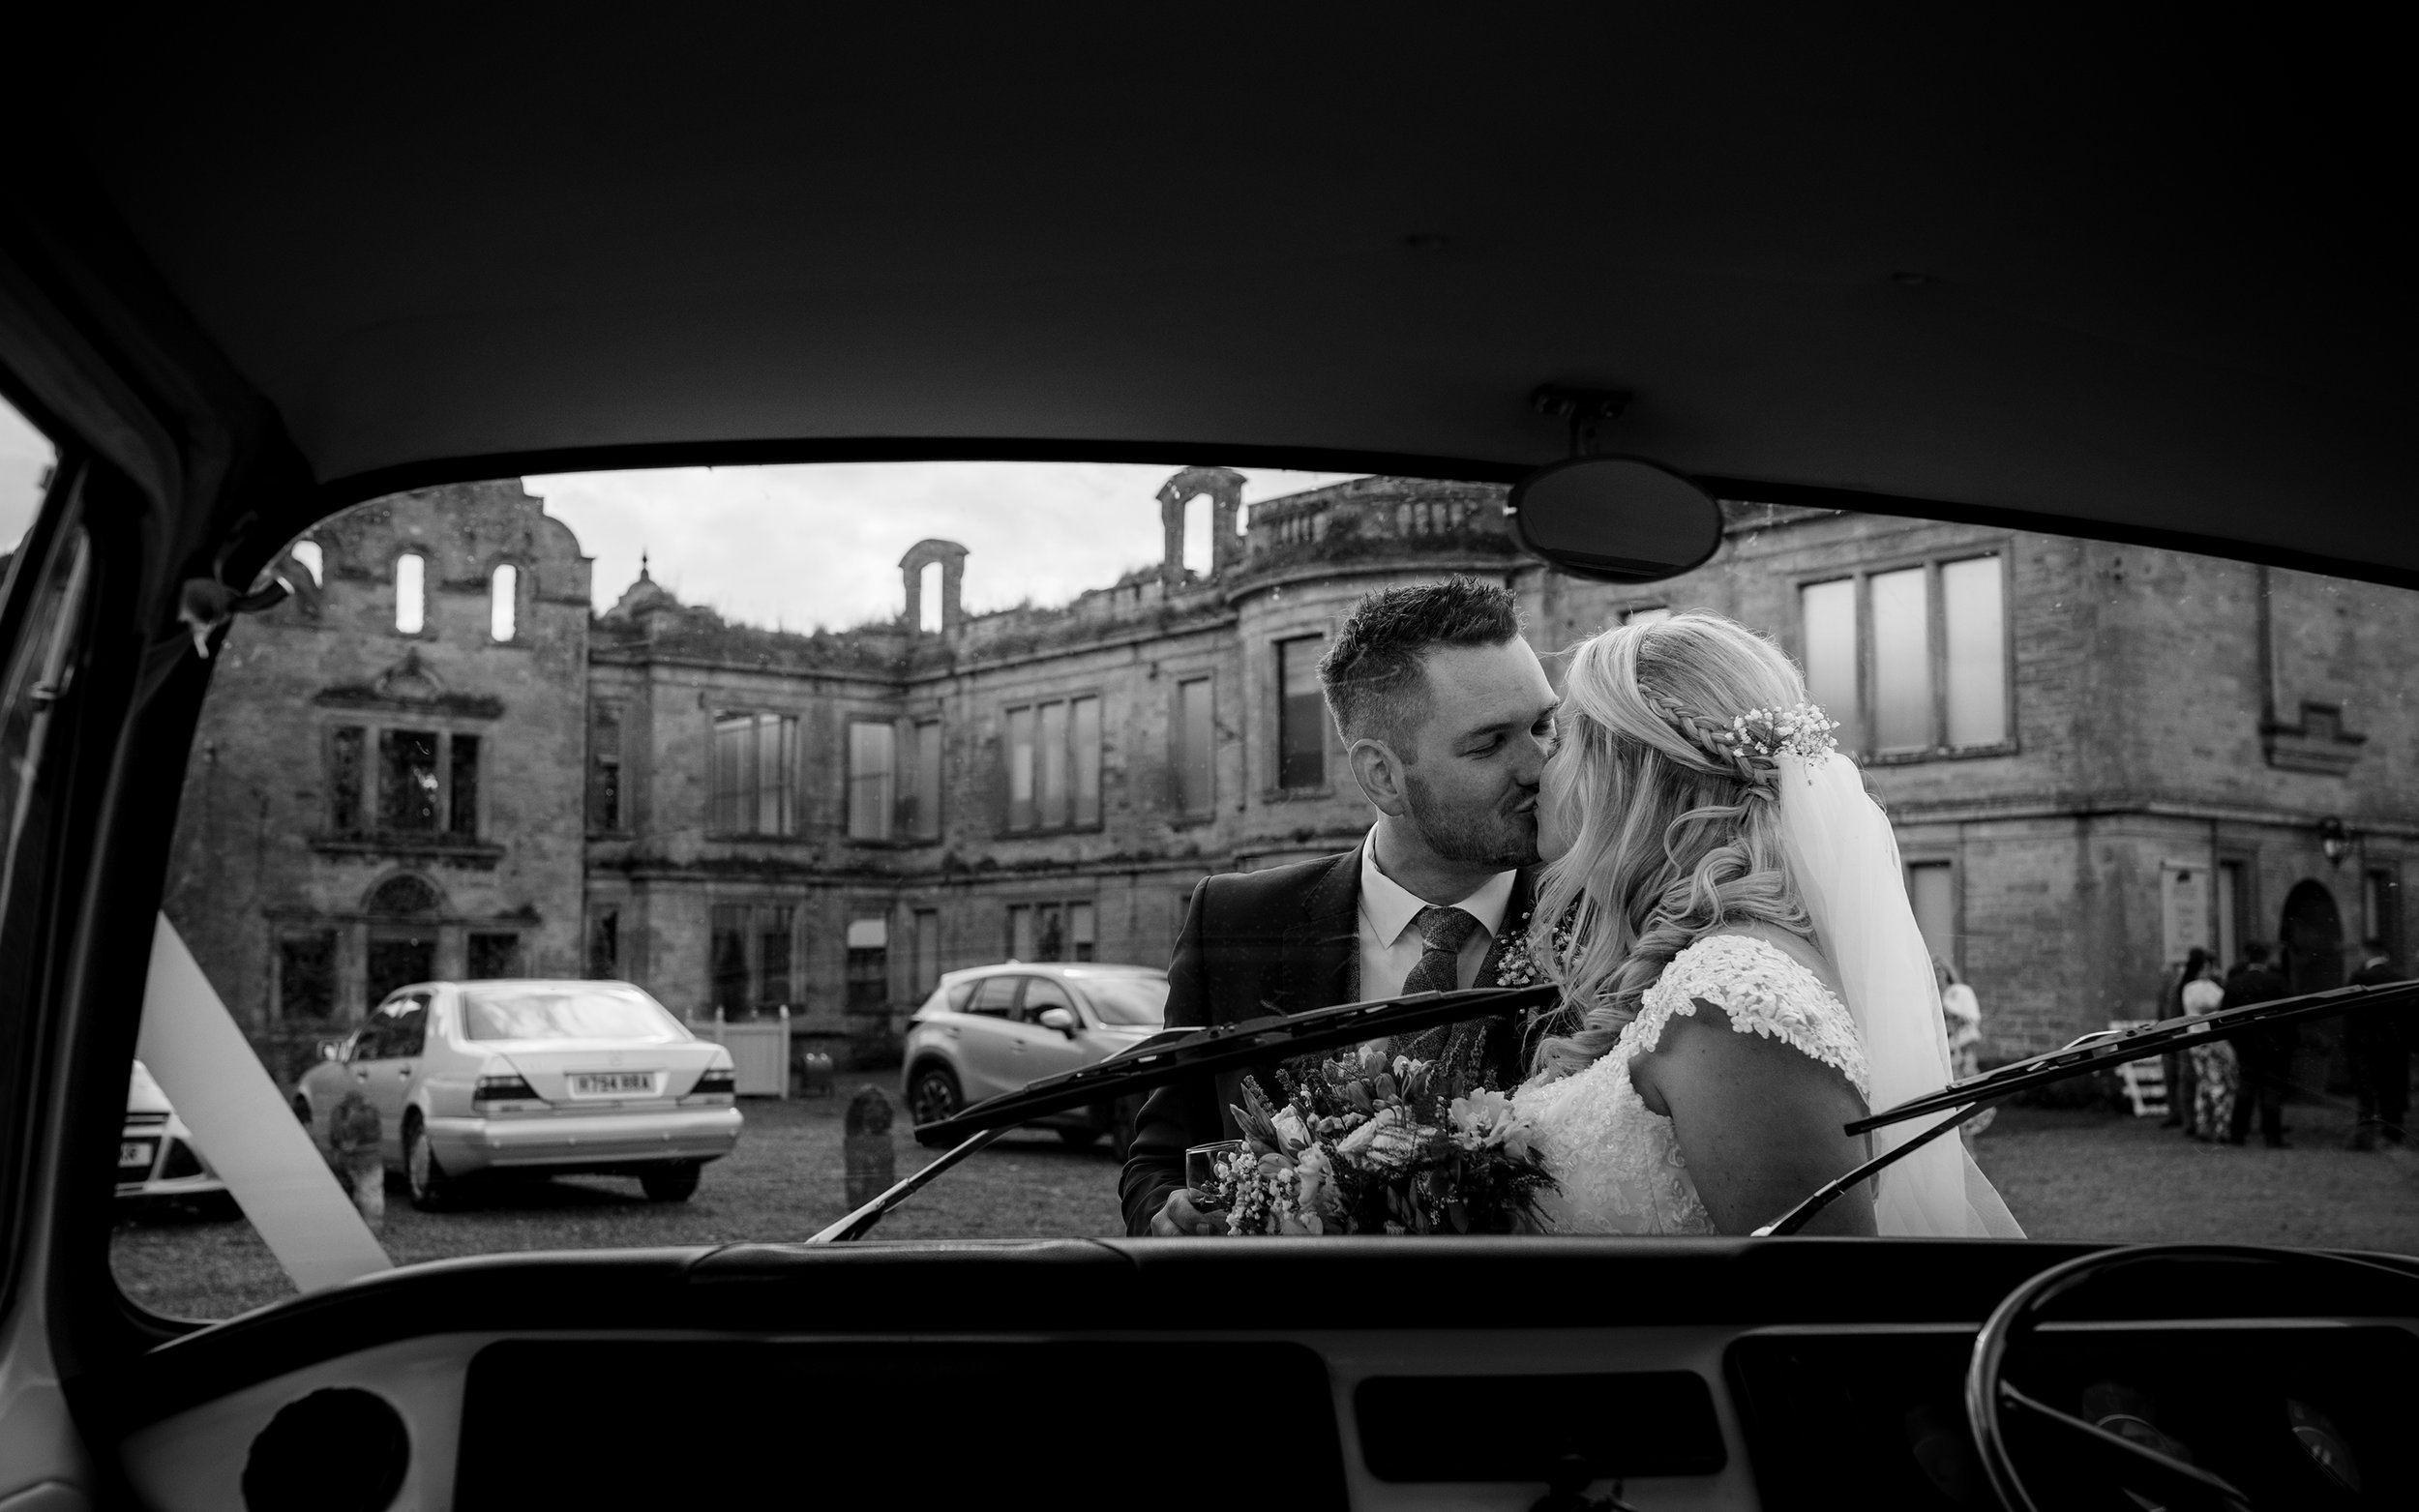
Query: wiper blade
{"x": 2094, "y": 1052}
{"x": 1175, "y": 1054}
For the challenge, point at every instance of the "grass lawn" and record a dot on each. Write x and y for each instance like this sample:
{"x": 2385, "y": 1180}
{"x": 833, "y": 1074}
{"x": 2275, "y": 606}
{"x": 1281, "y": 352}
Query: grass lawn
{"x": 2067, "y": 1174}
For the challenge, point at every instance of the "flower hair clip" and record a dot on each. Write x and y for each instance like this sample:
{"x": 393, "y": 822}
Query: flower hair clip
{"x": 1799, "y": 730}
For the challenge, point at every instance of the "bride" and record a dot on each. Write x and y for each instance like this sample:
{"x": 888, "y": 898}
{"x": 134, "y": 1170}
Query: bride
{"x": 1742, "y": 973}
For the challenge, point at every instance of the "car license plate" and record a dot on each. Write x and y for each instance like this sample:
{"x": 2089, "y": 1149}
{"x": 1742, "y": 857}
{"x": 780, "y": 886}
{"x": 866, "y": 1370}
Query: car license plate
{"x": 614, "y": 1083}
{"x": 134, "y": 1154}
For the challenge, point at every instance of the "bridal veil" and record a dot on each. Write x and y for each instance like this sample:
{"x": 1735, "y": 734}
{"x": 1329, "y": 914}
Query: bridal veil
{"x": 1846, "y": 862}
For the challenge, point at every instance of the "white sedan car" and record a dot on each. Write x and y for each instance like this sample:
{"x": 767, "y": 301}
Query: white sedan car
{"x": 549, "y": 1077}
{"x": 157, "y": 1157}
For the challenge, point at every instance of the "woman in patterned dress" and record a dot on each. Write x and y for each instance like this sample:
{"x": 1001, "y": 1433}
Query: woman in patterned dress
{"x": 1716, "y": 873}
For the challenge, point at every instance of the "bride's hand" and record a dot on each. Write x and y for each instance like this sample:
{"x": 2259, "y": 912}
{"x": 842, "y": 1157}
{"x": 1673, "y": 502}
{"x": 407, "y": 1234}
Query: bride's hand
{"x": 1179, "y": 1216}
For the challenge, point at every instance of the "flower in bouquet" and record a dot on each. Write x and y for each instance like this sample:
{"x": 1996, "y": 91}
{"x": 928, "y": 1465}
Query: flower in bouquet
{"x": 1485, "y": 1119}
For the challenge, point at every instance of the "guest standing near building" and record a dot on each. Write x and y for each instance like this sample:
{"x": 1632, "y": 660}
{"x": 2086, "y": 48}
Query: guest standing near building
{"x": 2178, "y": 1064}
{"x": 2266, "y": 1055}
{"x": 2216, "y": 1072}
{"x": 1962, "y": 1016}
{"x": 2379, "y": 1042}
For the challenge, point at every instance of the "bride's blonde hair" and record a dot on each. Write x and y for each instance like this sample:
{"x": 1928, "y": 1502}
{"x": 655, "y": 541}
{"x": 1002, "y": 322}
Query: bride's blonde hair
{"x": 1677, "y": 827}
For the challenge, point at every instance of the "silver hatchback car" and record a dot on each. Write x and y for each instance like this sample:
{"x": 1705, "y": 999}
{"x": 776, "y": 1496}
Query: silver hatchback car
{"x": 993, "y": 1030}
{"x": 549, "y": 1078}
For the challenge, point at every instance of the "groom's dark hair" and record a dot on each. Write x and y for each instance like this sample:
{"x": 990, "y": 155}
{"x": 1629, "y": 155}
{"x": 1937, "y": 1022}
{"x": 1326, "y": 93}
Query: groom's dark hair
{"x": 1375, "y": 675}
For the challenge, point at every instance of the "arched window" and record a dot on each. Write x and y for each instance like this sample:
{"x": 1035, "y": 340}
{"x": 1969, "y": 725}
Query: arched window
{"x": 503, "y": 602}
{"x": 314, "y": 562}
{"x": 928, "y": 599}
{"x": 404, "y": 894}
{"x": 412, "y": 606}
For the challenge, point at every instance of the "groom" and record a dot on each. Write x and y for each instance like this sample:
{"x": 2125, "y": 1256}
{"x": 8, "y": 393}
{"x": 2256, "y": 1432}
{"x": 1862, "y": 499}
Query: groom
{"x": 1446, "y": 715}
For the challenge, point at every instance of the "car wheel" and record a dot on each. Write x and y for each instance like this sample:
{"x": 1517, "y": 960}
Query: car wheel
{"x": 430, "y": 1188}
{"x": 1079, "y": 1137}
{"x": 933, "y": 1095}
{"x": 669, "y": 1183}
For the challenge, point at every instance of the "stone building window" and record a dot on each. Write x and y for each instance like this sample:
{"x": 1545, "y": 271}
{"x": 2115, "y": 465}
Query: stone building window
{"x": 411, "y": 593}
{"x": 756, "y": 759}
{"x": 927, "y": 947}
{"x": 494, "y": 955}
{"x": 604, "y": 769}
{"x": 1301, "y": 734}
{"x": 919, "y": 812}
{"x": 749, "y": 952}
{"x": 1052, "y": 932}
{"x": 2381, "y": 909}
{"x": 1912, "y": 660}
{"x": 873, "y": 779}
{"x": 605, "y": 944}
{"x": 868, "y": 965}
{"x": 408, "y": 780}
{"x": 306, "y": 974}
{"x": 346, "y": 745}
{"x": 462, "y": 801}
{"x": 1053, "y": 765}
{"x": 503, "y": 606}
{"x": 1195, "y": 742}
{"x": 1932, "y": 887}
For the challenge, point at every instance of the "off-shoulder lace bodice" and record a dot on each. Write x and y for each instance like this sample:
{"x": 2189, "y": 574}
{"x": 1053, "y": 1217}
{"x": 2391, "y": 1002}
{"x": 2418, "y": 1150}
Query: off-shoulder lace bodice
{"x": 1618, "y": 1166}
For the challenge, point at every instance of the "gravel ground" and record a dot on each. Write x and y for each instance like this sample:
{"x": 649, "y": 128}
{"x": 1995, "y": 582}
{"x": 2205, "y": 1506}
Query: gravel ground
{"x": 2067, "y": 1175}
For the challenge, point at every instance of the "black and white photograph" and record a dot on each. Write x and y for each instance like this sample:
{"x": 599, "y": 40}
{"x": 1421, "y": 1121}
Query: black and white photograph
{"x": 1585, "y": 760}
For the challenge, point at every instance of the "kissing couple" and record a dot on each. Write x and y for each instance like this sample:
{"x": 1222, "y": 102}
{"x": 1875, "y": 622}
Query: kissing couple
{"x": 1675, "y": 845}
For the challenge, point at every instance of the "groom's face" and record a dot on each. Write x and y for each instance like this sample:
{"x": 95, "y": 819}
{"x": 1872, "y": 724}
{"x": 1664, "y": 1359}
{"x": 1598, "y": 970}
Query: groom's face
{"x": 1471, "y": 778}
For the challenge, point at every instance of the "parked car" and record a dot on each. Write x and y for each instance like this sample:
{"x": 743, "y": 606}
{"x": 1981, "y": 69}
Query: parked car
{"x": 993, "y": 1030}
{"x": 538, "y": 1077}
{"x": 157, "y": 1157}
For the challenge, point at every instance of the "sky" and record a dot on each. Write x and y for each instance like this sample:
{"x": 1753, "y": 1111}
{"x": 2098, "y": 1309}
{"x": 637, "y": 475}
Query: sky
{"x": 24, "y": 457}
{"x": 819, "y": 544}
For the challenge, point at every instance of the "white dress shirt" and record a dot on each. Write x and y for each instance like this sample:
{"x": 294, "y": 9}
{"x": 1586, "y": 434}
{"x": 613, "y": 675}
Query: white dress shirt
{"x": 1389, "y": 947}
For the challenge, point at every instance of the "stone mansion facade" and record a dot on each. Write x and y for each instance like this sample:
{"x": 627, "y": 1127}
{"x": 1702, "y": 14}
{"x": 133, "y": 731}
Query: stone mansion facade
{"x": 434, "y": 760}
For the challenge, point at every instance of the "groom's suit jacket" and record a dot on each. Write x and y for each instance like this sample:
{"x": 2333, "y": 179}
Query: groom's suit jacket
{"x": 1283, "y": 940}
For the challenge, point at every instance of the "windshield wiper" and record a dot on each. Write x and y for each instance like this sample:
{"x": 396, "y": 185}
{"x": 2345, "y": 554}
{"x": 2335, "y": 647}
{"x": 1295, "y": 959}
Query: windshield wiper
{"x": 2094, "y": 1052}
{"x": 1175, "y": 1054}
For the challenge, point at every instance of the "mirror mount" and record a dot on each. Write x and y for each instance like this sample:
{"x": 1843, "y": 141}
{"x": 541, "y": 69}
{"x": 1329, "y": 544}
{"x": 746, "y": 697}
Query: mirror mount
{"x": 1588, "y": 411}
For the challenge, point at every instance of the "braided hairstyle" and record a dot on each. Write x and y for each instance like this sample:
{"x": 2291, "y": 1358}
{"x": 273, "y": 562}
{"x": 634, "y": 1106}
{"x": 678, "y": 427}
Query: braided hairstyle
{"x": 1674, "y": 817}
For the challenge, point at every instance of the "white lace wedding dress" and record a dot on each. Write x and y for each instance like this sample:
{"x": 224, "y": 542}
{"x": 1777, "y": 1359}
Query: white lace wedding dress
{"x": 1619, "y": 1168}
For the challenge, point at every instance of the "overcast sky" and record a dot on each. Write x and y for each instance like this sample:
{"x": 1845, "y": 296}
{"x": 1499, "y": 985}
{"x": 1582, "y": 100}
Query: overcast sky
{"x": 819, "y": 544}
{"x": 24, "y": 456}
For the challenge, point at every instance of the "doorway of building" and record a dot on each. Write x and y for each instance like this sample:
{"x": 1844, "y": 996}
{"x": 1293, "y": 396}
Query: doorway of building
{"x": 399, "y": 961}
{"x": 2312, "y": 942}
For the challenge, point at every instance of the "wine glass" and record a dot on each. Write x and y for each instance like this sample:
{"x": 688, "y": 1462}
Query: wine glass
{"x": 1200, "y": 1168}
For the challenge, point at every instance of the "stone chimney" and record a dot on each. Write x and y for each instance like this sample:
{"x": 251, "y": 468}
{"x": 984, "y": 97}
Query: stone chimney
{"x": 952, "y": 559}
{"x": 1225, "y": 487}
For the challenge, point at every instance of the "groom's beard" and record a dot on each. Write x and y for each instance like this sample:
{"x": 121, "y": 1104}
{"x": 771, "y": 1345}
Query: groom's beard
{"x": 1503, "y": 836}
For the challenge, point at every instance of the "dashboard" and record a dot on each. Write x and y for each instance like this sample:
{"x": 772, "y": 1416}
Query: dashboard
{"x": 1696, "y": 1373}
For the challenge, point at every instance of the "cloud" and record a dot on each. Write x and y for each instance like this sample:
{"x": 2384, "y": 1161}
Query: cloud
{"x": 819, "y": 544}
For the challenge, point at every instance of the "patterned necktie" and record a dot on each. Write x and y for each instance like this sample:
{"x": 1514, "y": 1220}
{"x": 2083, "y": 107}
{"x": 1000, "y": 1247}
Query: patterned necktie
{"x": 1447, "y": 931}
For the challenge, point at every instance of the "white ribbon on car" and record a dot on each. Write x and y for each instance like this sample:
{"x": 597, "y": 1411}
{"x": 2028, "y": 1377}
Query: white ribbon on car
{"x": 241, "y": 1125}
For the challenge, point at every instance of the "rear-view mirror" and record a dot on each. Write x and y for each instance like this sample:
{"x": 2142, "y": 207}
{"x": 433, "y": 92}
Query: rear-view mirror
{"x": 1615, "y": 518}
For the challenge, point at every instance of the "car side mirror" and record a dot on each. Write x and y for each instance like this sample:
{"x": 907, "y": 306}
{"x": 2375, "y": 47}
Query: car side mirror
{"x": 1615, "y": 518}
{"x": 1061, "y": 1019}
{"x": 327, "y": 1051}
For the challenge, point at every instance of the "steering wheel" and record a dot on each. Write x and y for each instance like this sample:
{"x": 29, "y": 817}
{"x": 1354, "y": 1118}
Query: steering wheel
{"x": 1991, "y": 1403}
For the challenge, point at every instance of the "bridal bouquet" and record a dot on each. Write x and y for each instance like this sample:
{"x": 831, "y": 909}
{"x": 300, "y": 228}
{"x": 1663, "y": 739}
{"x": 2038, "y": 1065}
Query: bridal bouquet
{"x": 1366, "y": 1146}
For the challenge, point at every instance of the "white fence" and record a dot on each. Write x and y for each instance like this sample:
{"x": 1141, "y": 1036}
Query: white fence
{"x": 759, "y": 1052}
